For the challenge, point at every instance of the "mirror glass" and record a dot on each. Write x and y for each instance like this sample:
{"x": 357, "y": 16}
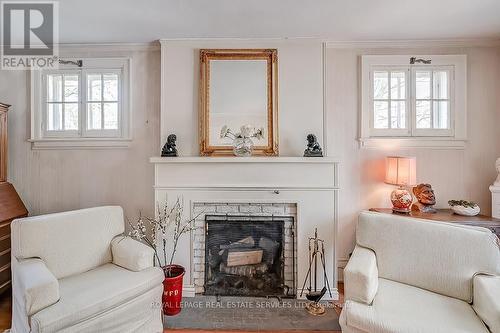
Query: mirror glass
{"x": 238, "y": 87}
{"x": 238, "y": 96}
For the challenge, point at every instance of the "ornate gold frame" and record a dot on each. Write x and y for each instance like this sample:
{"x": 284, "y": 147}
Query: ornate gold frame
{"x": 271, "y": 55}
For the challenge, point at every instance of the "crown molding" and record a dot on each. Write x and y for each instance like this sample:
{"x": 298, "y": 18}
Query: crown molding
{"x": 165, "y": 41}
{"x": 113, "y": 47}
{"x": 328, "y": 44}
{"x": 413, "y": 43}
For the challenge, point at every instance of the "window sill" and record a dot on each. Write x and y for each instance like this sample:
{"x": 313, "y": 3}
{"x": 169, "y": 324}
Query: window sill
{"x": 421, "y": 142}
{"x": 80, "y": 143}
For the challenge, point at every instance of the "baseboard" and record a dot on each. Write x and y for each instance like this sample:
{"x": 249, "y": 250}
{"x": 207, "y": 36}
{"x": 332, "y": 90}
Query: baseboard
{"x": 341, "y": 263}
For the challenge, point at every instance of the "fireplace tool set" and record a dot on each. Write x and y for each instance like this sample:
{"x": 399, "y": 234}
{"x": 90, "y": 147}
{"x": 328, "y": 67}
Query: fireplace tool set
{"x": 316, "y": 252}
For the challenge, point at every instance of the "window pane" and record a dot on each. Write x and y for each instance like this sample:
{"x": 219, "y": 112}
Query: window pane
{"x": 94, "y": 92}
{"x": 70, "y": 116}
{"x": 54, "y": 88}
{"x": 381, "y": 114}
{"x": 398, "y": 85}
{"x": 441, "y": 115}
{"x": 440, "y": 85}
{"x": 54, "y": 117}
{"x": 94, "y": 116}
{"x": 423, "y": 84}
{"x": 380, "y": 85}
{"x": 71, "y": 88}
{"x": 398, "y": 114}
{"x": 111, "y": 115}
{"x": 423, "y": 114}
{"x": 110, "y": 87}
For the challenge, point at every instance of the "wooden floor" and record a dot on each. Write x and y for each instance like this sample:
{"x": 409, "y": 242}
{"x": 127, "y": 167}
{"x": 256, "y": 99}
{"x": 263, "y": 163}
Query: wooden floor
{"x": 6, "y": 310}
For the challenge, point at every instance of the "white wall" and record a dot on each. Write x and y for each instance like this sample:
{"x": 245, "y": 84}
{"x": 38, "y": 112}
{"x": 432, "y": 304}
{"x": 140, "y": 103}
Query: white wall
{"x": 58, "y": 180}
{"x": 454, "y": 174}
{"x": 300, "y": 91}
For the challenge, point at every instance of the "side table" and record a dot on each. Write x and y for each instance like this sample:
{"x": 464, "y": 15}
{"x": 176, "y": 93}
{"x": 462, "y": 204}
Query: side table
{"x": 447, "y": 215}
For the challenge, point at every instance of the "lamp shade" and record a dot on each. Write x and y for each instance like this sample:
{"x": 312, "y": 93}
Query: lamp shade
{"x": 400, "y": 170}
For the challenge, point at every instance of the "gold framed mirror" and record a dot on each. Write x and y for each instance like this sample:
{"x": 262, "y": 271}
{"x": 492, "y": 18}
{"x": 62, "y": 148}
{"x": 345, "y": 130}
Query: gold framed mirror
{"x": 238, "y": 87}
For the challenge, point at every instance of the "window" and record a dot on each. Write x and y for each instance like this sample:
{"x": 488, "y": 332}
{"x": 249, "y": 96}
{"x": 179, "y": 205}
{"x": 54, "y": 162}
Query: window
{"x": 419, "y": 104}
{"x": 389, "y": 91}
{"x": 102, "y": 102}
{"x": 432, "y": 98}
{"x": 85, "y": 106}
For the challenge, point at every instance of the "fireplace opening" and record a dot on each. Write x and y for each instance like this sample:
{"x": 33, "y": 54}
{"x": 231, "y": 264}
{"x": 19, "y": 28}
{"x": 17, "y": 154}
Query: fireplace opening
{"x": 245, "y": 256}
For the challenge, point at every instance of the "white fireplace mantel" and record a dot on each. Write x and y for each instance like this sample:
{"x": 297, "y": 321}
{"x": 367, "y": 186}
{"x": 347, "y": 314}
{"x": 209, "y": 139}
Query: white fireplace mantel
{"x": 244, "y": 172}
{"x": 256, "y": 159}
{"x": 309, "y": 183}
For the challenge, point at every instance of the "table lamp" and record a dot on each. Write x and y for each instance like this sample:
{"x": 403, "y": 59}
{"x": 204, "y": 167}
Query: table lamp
{"x": 401, "y": 171}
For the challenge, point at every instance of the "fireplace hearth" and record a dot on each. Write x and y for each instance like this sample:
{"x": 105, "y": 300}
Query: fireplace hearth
{"x": 245, "y": 255}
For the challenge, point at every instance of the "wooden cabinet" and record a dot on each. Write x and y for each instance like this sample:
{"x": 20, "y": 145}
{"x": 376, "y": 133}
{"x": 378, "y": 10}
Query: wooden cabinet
{"x": 3, "y": 142}
{"x": 11, "y": 206}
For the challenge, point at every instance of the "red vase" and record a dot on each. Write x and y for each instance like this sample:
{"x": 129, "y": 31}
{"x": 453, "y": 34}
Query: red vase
{"x": 172, "y": 289}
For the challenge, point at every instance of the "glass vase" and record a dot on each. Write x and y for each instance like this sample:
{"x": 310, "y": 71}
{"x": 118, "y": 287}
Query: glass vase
{"x": 242, "y": 147}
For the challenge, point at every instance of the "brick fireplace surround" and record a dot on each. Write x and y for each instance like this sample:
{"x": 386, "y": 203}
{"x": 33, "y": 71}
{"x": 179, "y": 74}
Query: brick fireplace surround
{"x": 242, "y": 209}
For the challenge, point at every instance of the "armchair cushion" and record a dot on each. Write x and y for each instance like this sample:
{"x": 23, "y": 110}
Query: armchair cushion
{"x": 487, "y": 300}
{"x": 406, "y": 309}
{"x": 361, "y": 276}
{"x": 37, "y": 285}
{"x": 131, "y": 254}
{"x": 96, "y": 293}
{"x": 70, "y": 242}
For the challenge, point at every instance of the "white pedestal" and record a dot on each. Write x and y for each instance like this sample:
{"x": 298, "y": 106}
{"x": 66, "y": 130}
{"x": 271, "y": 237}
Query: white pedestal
{"x": 495, "y": 201}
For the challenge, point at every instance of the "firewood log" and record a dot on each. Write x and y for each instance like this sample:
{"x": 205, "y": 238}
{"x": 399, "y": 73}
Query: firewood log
{"x": 245, "y": 270}
{"x": 240, "y": 257}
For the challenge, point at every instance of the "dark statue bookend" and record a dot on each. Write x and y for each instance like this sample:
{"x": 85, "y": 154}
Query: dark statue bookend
{"x": 169, "y": 149}
{"x": 426, "y": 199}
{"x": 313, "y": 148}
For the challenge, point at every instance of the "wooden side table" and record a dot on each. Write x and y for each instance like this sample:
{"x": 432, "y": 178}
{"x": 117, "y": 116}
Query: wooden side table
{"x": 11, "y": 206}
{"x": 446, "y": 215}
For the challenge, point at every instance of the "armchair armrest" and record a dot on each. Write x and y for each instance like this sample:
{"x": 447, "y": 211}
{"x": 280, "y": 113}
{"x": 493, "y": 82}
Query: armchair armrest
{"x": 36, "y": 284}
{"x": 361, "y": 276}
{"x": 486, "y": 300}
{"x": 131, "y": 254}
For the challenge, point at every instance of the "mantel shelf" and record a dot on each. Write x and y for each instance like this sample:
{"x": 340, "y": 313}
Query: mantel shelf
{"x": 201, "y": 159}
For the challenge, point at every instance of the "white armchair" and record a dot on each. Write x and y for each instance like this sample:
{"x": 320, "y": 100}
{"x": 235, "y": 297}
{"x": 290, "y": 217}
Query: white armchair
{"x": 408, "y": 275}
{"x": 76, "y": 272}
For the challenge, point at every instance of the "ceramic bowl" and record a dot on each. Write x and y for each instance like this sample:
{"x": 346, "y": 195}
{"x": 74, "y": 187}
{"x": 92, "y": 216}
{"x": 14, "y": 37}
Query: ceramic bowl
{"x": 466, "y": 211}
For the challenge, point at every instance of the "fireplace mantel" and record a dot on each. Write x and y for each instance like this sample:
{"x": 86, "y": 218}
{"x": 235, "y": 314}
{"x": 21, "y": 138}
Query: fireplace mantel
{"x": 245, "y": 172}
{"x": 227, "y": 183}
{"x": 201, "y": 159}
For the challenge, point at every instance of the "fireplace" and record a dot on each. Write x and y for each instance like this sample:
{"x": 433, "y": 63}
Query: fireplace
{"x": 245, "y": 256}
{"x": 305, "y": 189}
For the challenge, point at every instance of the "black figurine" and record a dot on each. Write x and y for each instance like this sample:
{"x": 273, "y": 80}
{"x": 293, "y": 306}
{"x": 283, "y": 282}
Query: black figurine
{"x": 169, "y": 149}
{"x": 313, "y": 148}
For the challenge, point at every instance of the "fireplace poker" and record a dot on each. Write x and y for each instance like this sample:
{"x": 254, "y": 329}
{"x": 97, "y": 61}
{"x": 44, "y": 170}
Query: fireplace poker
{"x": 314, "y": 307}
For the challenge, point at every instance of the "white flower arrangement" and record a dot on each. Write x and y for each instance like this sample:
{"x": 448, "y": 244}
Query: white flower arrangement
{"x": 246, "y": 131}
{"x": 166, "y": 219}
